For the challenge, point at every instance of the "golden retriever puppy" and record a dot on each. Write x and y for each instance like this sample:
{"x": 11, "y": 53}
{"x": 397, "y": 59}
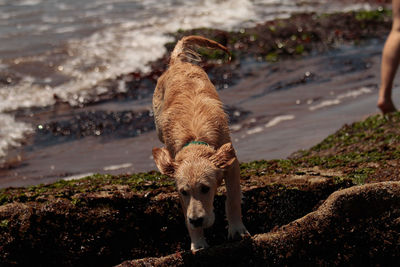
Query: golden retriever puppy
{"x": 198, "y": 152}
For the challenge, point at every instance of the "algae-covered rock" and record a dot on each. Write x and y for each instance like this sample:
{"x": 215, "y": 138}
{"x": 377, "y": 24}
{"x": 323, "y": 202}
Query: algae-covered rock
{"x": 358, "y": 226}
{"x": 101, "y": 221}
{"x": 292, "y": 207}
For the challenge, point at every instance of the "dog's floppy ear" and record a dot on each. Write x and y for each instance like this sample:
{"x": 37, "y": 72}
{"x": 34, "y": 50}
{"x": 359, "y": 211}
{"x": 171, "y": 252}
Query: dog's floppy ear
{"x": 164, "y": 161}
{"x": 224, "y": 157}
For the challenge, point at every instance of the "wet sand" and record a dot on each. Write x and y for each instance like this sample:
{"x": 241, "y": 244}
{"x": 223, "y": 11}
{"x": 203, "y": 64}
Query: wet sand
{"x": 342, "y": 88}
{"x": 294, "y": 104}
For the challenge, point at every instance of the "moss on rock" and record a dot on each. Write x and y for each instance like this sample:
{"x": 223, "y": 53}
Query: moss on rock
{"x": 366, "y": 151}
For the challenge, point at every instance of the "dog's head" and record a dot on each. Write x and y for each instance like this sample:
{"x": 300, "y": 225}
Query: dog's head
{"x": 197, "y": 171}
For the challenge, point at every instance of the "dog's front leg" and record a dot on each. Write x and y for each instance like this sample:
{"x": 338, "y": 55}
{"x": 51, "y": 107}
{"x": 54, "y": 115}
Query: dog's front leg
{"x": 233, "y": 209}
{"x": 197, "y": 240}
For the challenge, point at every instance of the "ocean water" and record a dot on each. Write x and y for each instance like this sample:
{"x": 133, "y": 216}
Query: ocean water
{"x": 63, "y": 49}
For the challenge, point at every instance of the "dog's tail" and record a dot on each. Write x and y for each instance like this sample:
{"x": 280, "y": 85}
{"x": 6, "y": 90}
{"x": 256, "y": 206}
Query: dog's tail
{"x": 183, "y": 50}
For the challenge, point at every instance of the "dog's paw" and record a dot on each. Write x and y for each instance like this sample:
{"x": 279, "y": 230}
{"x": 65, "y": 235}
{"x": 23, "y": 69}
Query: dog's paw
{"x": 237, "y": 232}
{"x": 201, "y": 244}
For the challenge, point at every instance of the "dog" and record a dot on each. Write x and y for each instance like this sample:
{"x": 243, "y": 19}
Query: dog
{"x": 198, "y": 152}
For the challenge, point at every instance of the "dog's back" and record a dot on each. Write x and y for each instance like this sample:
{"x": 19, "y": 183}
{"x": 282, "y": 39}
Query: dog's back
{"x": 186, "y": 104}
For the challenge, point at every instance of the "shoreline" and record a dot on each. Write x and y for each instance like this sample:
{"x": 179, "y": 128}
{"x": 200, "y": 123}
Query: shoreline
{"x": 42, "y": 163}
{"x": 266, "y": 132}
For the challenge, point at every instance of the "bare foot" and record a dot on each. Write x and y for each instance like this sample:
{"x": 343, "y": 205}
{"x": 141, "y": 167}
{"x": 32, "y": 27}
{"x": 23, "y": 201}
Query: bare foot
{"x": 386, "y": 106}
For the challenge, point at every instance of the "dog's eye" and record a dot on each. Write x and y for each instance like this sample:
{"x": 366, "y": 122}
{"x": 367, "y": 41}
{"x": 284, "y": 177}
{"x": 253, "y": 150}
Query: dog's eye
{"x": 205, "y": 189}
{"x": 184, "y": 192}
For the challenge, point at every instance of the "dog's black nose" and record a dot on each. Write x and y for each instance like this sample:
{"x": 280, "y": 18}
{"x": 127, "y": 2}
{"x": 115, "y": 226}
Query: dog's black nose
{"x": 196, "y": 222}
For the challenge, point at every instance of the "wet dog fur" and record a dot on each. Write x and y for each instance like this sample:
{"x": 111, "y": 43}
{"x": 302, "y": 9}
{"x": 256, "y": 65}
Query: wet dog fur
{"x": 198, "y": 152}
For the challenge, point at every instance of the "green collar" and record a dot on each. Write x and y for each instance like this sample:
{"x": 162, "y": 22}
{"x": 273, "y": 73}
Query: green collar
{"x": 195, "y": 143}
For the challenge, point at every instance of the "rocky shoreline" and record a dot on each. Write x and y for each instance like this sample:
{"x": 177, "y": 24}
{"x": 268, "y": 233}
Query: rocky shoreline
{"x": 336, "y": 203}
{"x": 298, "y": 210}
{"x": 281, "y": 39}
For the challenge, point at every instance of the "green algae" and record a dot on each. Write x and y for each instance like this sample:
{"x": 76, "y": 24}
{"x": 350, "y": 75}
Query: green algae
{"x": 378, "y": 15}
{"x": 266, "y": 167}
{"x": 371, "y": 129}
{"x": 4, "y": 223}
{"x": 359, "y": 175}
{"x": 137, "y": 183}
